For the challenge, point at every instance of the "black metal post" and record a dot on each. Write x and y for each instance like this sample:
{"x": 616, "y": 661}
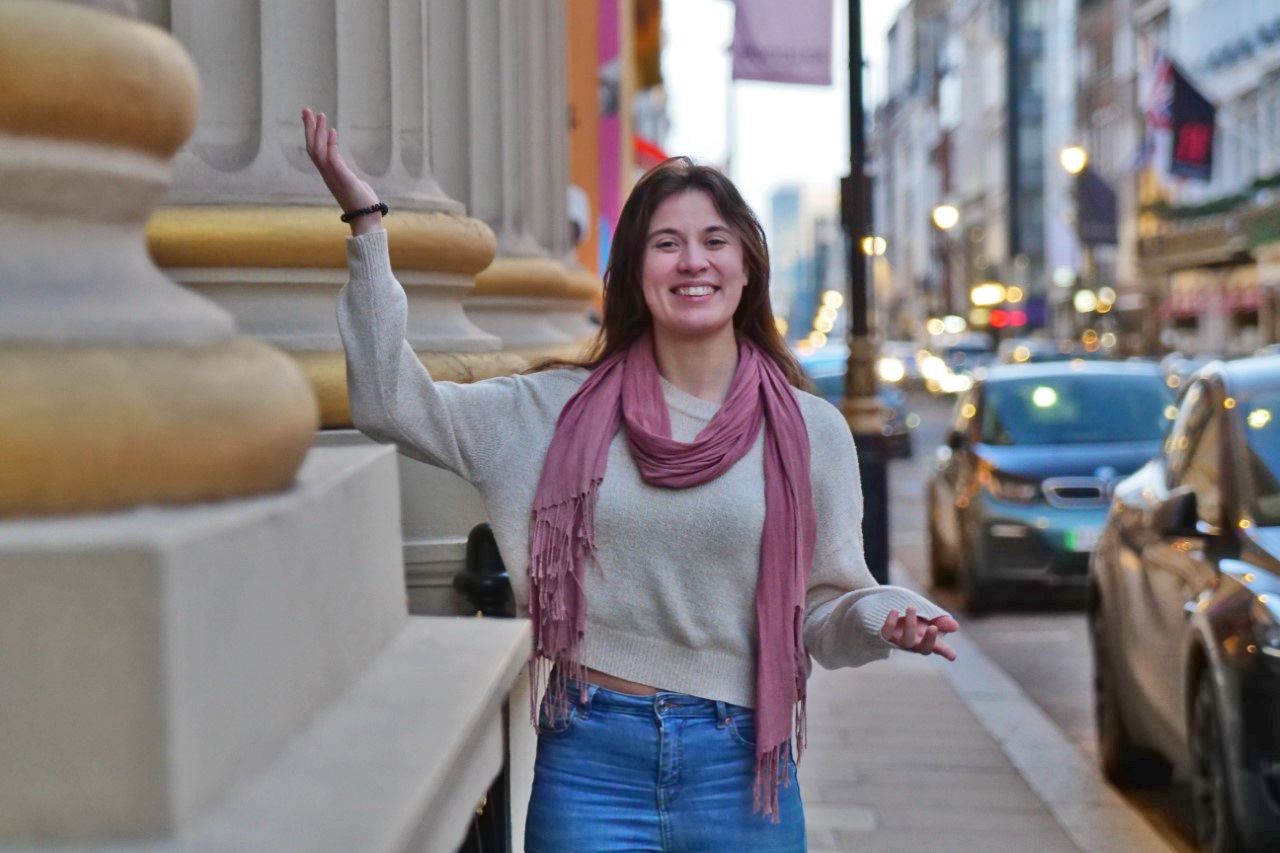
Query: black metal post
{"x": 861, "y": 406}
{"x": 484, "y": 584}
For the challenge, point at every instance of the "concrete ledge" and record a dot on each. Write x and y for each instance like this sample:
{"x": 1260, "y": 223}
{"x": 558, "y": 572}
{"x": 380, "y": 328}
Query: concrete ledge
{"x": 398, "y": 763}
{"x": 153, "y": 659}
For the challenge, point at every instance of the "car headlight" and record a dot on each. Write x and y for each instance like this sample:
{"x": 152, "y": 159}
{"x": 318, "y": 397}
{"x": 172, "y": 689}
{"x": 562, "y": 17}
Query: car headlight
{"x": 891, "y": 369}
{"x": 934, "y": 368}
{"x": 1002, "y": 487}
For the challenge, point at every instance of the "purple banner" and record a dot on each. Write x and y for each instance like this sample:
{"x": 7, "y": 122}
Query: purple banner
{"x": 783, "y": 41}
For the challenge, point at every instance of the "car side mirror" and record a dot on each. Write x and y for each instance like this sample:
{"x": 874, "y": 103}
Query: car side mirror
{"x": 1176, "y": 514}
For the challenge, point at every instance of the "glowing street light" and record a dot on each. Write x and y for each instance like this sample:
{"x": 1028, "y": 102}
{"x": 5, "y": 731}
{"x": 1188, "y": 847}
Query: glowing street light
{"x": 873, "y": 246}
{"x": 987, "y": 294}
{"x": 945, "y": 216}
{"x": 1073, "y": 159}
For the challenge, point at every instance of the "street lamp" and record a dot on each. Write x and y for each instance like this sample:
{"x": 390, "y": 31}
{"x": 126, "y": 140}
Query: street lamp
{"x": 946, "y": 216}
{"x": 1074, "y": 159}
{"x": 861, "y": 406}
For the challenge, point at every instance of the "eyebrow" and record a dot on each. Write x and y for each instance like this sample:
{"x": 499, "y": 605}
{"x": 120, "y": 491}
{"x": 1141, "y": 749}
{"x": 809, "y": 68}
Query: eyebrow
{"x": 711, "y": 229}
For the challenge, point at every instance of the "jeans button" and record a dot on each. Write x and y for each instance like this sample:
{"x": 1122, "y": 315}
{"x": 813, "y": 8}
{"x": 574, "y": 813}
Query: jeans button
{"x": 662, "y": 705}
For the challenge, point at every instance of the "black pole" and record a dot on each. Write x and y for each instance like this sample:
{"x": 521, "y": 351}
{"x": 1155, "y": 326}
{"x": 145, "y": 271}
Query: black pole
{"x": 861, "y": 406}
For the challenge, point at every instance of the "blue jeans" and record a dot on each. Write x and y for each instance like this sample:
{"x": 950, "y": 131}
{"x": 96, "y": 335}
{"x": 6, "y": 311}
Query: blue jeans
{"x": 667, "y": 772}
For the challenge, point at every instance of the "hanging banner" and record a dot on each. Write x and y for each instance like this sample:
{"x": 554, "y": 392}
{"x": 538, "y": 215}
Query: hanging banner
{"x": 1096, "y": 215}
{"x": 1192, "y": 119}
{"x": 783, "y": 41}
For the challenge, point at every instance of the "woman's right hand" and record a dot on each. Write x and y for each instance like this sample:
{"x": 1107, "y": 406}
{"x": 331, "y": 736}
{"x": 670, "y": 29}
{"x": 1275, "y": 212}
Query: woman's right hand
{"x": 349, "y": 191}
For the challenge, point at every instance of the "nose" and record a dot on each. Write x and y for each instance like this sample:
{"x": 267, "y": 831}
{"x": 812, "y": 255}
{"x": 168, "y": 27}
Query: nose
{"x": 693, "y": 258}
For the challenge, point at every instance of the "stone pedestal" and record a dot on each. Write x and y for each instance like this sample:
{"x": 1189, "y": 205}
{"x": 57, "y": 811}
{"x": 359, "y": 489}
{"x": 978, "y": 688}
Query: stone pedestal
{"x": 242, "y": 676}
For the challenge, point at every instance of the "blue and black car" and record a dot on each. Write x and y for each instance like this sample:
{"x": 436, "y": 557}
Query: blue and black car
{"x": 1022, "y": 482}
{"x": 1184, "y": 610}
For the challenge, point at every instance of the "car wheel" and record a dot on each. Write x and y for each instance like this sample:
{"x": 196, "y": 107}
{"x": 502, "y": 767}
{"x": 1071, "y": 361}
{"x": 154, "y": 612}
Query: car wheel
{"x": 1122, "y": 761}
{"x": 1211, "y": 775}
{"x": 942, "y": 574}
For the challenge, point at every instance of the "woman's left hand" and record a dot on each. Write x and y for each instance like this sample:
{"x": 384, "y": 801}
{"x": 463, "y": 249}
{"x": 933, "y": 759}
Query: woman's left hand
{"x": 918, "y": 635}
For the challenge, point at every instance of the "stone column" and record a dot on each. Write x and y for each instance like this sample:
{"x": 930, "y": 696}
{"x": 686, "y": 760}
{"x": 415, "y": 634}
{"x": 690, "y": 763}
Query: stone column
{"x": 251, "y": 225}
{"x": 529, "y": 297}
{"x": 117, "y": 387}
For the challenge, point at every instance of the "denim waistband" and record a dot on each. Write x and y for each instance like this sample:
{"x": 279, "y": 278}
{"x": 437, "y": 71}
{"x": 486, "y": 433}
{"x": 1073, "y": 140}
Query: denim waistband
{"x": 665, "y": 702}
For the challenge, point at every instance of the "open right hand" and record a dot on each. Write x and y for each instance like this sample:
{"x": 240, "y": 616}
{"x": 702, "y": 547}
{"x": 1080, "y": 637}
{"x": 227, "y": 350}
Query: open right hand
{"x": 349, "y": 191}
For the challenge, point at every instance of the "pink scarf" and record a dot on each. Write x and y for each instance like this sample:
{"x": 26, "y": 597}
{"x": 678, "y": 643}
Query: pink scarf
{"x": 624, "y": 389}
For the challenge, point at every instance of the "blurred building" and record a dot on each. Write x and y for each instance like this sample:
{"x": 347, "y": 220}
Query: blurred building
{"x": 206, "y": 574}
{"x": 1209, "y": 249}
{"x": 963, "y": 127}
{"x": 910, "y": 154}
{"x": 808, "y": 252}
{"x": 990, "y": 102}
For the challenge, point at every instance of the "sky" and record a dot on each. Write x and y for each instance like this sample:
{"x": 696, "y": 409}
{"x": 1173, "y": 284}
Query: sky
{"x": 771, "y": 133}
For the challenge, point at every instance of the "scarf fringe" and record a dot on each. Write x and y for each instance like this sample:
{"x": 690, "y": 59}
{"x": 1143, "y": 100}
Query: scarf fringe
{"x": 771, "y": 772}
{"x": 561, "y": 536}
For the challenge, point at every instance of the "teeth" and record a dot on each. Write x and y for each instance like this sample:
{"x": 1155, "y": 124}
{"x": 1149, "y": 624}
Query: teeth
{"x": 702, "y": 290}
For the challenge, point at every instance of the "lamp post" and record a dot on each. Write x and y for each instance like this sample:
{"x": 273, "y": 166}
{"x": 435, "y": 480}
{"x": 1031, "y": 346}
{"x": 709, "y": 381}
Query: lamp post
{"x": 861, "y": 406}
{"x": 945, "y": 217}
{"x": 1074, "y": 160}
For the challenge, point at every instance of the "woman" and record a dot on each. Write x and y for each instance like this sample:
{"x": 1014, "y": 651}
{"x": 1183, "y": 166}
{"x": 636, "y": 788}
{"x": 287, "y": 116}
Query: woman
{"x": 680, "y": 523}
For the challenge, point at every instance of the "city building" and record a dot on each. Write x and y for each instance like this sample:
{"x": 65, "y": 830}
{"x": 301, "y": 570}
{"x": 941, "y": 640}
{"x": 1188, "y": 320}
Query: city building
{"x": 1208, "y": 243}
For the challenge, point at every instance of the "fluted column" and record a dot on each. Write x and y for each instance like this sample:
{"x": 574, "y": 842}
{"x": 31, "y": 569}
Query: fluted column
{"x": 117, "y": 387}
{"x": 251, "y": 225}
{"x": 529, "y": 297}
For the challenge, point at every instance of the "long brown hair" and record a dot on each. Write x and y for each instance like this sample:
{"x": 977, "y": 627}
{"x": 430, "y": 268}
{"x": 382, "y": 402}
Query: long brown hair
{"x": 626, "y": 315}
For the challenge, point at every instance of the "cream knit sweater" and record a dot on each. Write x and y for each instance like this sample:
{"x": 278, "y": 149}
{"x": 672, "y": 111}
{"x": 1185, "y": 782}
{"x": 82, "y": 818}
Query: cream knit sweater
{"x": 671, "y": 601}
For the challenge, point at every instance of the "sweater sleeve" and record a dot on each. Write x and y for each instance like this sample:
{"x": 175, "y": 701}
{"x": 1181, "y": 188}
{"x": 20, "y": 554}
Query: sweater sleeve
{"x": 393, "y": 398}
{"x": 845, "y": 608}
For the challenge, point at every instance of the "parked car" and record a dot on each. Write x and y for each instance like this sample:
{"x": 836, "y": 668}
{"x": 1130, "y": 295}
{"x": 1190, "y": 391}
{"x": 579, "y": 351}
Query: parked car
{"x": 826, "y": 368}
{"x": 1024, "y": 350}
{"x": 1022, "y": 482}
{"x": 1184, "y": 609}
{"x": 1178, "y": 367}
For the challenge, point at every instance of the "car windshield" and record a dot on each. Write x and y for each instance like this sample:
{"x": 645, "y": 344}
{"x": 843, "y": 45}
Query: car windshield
{"x": 1260, "y": 414}
{"x": 1076, "y": 409}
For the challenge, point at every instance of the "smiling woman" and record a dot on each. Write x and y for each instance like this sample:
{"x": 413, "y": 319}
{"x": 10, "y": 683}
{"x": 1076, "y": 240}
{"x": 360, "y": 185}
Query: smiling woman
{"x": 680, "y": 524}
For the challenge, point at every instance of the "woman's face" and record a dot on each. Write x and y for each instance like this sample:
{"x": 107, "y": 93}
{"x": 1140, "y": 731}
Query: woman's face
{"x": 693, "y": 269}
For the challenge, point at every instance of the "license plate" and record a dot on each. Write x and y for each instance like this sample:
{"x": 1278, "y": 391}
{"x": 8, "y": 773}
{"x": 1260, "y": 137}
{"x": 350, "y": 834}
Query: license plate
{"x": 1082, "y": 539}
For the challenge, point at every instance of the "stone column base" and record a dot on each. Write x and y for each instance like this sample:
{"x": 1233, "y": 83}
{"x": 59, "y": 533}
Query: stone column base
{"x": 107, "y": 427}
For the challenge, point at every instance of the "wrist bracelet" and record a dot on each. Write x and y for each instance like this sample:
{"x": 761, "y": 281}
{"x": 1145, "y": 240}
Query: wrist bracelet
{"x": 364, "y": 211}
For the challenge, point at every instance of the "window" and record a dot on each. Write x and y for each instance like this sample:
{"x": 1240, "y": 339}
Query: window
{"x": 1192, "y": 412}
{"x": 1202, "y": 470}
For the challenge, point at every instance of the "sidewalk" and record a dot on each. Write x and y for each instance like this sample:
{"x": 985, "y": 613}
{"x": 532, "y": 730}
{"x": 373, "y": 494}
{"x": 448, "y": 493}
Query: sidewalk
{"x": 915, "y": 754}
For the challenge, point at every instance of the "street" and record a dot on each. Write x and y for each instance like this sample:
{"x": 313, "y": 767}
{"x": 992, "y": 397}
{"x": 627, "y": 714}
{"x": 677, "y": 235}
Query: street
{"x": 1042, "y": 644}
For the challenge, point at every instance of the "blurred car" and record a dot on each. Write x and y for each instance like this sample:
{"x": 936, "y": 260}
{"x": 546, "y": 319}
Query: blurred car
{"x": 1184, "y": 610}
{"x": 826, "y": 368}
{"x": 899, "y": 364}
{"x": 1021, "y": 485}
{"x": 967, "y": 353}
{"x": 1030, "y": 350}
{"x": 1033, "y": 350}
{"x": 1178, "y": 366}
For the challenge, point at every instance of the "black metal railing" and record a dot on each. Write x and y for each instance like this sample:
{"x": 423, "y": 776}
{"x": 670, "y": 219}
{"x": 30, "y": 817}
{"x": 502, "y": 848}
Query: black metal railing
{"x": 485, "y": 586}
